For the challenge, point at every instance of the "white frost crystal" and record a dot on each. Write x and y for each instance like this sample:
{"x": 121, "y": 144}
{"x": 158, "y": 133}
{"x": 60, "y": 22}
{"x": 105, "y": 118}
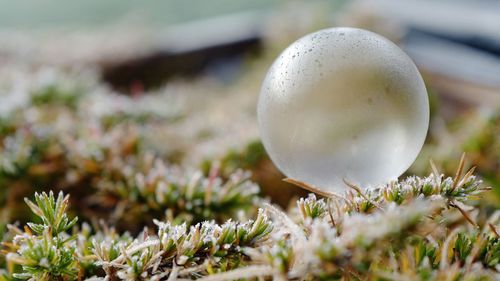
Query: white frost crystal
{"x": 343, "y": 103}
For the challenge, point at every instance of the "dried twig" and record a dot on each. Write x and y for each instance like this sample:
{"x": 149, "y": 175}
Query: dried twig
{"x": 459, "y": 172}
{"x": 464, "y": 213}
{"x": 313, "y": 188}
{"x": 493, "y": 229}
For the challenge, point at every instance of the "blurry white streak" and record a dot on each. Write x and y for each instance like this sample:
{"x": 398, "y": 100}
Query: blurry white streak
{"x": 213, "y": 31}
{"x": 457, "y": 60}
{"x": 476, "y": 18}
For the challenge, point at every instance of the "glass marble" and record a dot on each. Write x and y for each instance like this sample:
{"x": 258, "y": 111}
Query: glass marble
{"x": 343, "y": 104}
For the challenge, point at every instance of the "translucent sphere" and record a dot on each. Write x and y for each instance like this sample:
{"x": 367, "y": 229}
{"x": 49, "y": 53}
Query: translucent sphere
{"x": 343, "y": 103}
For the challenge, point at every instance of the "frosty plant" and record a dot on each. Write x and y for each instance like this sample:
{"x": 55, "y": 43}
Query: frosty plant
{"x": 45, "y": 251}
{"x": 343, "y": 112}
{"x": 411, "y": 229}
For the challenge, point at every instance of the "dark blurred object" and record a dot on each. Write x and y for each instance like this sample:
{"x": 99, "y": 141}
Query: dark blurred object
{"x": 215, "y": 46}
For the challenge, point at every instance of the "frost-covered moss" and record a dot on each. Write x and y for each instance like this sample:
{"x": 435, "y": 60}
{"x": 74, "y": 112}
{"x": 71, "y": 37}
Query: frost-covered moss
{"x": 162, "y": 193}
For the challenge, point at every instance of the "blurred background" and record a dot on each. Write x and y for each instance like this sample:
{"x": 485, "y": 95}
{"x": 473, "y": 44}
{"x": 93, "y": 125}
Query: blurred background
{"x": 180, "y": 79}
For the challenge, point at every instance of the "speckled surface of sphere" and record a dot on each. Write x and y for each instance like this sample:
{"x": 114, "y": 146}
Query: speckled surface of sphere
{"x": 343, "y": 103}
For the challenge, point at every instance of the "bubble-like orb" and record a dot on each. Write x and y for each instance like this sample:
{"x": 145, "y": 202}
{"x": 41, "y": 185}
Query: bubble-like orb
{"x": 343, "y": 103}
